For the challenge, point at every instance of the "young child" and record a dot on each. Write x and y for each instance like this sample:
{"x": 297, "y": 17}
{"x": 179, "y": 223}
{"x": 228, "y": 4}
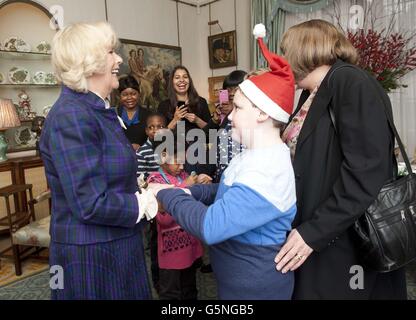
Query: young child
{"x": 177, "y": 250}
{"x": 146, "y": 161}
{"x": 247, "y": 216}
{"x": 227, "y": 148}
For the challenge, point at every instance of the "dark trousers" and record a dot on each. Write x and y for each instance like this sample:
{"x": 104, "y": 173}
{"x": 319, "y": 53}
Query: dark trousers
{"x": 178, "y": 284}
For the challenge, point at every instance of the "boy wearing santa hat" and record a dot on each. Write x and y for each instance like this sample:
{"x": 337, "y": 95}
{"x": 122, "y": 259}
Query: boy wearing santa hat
{"x": 246, "y": 217}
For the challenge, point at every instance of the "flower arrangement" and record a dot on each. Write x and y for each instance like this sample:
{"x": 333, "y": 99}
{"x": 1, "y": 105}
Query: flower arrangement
{"x": 386, "y": 55}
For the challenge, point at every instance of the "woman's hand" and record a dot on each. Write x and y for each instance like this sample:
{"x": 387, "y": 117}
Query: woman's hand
{"x": 191, "y": 180}
{"x": 293, "y": 254}
{"x": 180, "y": 113}
{"x": 204, "y": 179}
{"x": 191, "y": 117}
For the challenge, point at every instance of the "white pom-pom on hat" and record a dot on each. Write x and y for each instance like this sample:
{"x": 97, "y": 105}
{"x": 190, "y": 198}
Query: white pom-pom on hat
{"x": 273, "y": 92}
{"x": 259, "y": 31}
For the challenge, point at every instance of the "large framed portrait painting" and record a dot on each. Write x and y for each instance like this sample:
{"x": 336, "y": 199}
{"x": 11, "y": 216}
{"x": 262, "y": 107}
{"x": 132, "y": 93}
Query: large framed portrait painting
{"x": 150, "y": 64}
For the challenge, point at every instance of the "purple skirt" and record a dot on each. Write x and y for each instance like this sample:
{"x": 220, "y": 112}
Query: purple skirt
{"x": 113, "y": 270}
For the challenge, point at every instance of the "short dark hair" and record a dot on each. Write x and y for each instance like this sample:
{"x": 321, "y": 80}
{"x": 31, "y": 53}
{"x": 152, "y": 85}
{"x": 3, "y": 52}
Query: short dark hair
{"x": 234, "y": 79}
{"x": 154, "y": 115}
{"x": 128, "y": 82}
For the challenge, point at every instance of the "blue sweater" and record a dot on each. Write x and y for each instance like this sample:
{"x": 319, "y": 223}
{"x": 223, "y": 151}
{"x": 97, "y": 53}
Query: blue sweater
{"x": 245, "y": 219}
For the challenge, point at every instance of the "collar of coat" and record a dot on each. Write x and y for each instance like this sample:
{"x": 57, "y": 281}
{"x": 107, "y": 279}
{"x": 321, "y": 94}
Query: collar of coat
{"x": 318, "y": 106}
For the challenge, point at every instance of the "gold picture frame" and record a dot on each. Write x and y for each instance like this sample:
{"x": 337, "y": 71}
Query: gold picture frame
{"x": 222, "y": 50}
{"x": 214, "y": 85}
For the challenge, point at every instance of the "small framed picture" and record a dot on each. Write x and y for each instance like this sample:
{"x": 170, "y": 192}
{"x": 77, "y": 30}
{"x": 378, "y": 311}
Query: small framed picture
{"x": 222, "y": 50}
{"x": 214, "y": 87}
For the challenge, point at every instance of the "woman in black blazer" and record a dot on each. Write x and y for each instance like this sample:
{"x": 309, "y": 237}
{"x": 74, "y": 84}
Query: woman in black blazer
{"x": 338, "y": 171}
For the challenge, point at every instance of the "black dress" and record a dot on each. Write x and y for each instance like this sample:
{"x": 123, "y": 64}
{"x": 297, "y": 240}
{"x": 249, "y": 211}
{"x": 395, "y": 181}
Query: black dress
{"x": 337, "y": 178}
{"x": 202, "y": 112}
{"x": 136, "y": 133}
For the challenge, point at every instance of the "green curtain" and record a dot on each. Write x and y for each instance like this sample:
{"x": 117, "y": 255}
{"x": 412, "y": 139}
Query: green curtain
{"x": 303, "y": 6}
{"x": 262, "y": 11}
{"x": 272, "y": 13}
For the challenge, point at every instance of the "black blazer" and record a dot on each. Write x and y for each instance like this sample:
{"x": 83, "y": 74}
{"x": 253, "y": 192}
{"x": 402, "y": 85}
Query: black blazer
{"x": 338, "y": 175}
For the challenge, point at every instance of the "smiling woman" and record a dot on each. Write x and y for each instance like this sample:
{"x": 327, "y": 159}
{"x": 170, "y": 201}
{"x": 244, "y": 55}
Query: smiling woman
{"x": 131, "y": 112}
{"x": 185, "y": 106}
{"x": 91, "y": 170}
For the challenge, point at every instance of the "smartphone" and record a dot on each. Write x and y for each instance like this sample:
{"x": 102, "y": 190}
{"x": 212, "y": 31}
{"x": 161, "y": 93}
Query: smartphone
{"x": 223, "y": 95}
{"x": 181, "y": 104}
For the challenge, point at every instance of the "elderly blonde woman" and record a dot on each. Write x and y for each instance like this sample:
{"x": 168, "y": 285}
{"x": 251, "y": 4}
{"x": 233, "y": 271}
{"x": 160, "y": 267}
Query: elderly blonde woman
{"x": 91, "y": 170}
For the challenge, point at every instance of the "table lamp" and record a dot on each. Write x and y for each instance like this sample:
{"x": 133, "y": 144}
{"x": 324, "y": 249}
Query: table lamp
{"x": 8, "y": 119}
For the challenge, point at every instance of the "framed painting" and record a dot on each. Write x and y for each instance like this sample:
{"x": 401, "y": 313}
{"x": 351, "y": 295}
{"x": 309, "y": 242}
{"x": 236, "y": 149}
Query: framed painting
{"x": 222, "y": 50}
{"x": 214, "y": 86}
{"x": 150, "y": 64}
{"x": 21, "y": 138}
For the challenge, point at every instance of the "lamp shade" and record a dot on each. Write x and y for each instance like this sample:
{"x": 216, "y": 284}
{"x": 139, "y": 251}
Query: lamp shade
{"x": 8, "y": 115}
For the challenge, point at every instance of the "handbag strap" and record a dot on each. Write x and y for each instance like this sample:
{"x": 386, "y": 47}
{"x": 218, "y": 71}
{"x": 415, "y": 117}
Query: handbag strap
{"x": 386, "y": 111}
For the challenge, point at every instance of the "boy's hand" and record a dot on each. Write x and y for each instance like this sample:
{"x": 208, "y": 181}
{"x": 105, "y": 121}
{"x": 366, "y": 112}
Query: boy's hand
{"x": 204, "y": 179}
{"x": 191, "y": 180}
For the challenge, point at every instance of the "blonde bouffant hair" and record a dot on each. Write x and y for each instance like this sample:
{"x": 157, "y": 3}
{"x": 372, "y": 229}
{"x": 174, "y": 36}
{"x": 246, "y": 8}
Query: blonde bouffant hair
{"x": 315, "y": 43}
{"x": 80, "y": 50}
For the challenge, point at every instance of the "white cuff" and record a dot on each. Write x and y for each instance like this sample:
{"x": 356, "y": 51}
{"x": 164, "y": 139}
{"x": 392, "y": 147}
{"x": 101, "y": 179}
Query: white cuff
{"x": 147, "y": 205}
{"x": 121, "y": 123}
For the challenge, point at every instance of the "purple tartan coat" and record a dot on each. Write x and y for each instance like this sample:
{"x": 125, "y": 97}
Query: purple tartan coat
{"x": 91, "y": 170}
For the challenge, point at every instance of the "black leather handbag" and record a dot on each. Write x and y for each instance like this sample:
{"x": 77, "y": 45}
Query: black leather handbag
{"x": 386, "y": 232}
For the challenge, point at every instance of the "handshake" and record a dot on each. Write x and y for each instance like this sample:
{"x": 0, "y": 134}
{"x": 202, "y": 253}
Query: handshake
{"x": 149, "y": 191}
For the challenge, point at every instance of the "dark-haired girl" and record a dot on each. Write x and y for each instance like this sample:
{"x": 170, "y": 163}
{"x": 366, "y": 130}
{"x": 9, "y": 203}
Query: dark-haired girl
{"x": 184, "y": 104}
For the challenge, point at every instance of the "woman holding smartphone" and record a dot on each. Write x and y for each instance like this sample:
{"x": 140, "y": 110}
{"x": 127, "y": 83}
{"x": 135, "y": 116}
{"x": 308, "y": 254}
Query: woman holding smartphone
{"x": 185, "y": 105}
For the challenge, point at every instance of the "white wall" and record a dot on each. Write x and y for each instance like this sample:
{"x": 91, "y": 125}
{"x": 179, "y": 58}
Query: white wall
{"x": 224, "y": 12}
{"x": 79, "y": 10}
{"x": 144, "y": 20}
{"x": 156, "y": 21}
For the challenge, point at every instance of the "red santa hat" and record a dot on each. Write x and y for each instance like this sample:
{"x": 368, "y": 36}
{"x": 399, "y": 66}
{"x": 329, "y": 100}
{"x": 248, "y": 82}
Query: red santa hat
{"x": 273, "y": 91}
